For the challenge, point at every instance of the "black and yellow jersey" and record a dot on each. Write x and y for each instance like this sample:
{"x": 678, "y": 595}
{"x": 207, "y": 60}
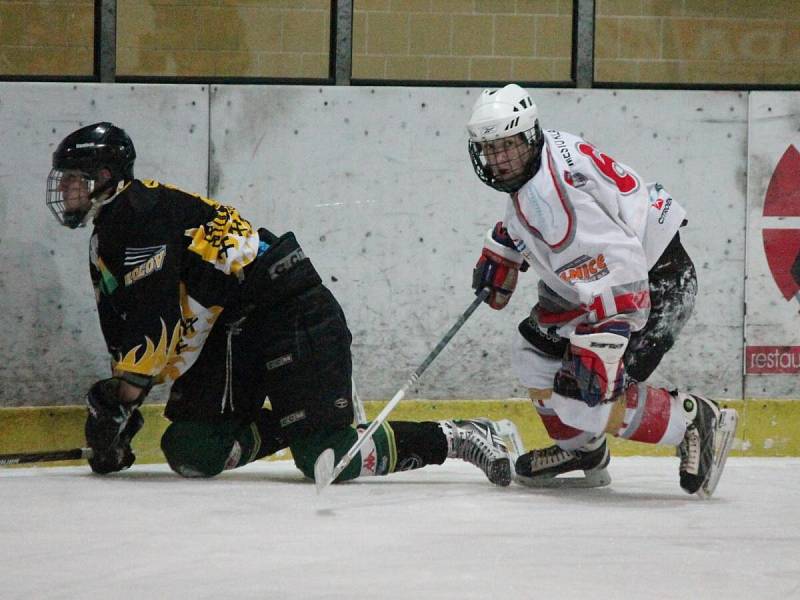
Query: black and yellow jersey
{"x": 165, "y": 264}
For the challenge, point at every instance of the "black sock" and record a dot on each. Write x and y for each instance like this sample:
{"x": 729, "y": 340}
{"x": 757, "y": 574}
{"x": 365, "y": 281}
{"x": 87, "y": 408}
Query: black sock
{"x": 418, "y": 444}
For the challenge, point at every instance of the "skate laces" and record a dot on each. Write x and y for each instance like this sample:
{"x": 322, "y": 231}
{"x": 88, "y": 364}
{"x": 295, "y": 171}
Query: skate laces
{"x": 479, "y": 446}
{"x": 699, "y": 438}
{"x": 690, "y": 450}
{"x": 550, "y": 456}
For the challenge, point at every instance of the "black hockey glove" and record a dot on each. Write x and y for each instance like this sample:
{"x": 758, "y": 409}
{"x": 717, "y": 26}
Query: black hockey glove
{"x": 110, "y": 427}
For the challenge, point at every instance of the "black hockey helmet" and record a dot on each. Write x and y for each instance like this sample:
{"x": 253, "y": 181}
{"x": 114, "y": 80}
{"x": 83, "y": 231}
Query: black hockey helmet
{"x": 87, "y": 151}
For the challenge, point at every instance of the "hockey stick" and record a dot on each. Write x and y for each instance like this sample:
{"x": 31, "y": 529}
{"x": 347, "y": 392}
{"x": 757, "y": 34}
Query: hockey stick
{"x": 324, "y": 471}
{"x": 35, "y": 457}
{"x": 359, "y": 414}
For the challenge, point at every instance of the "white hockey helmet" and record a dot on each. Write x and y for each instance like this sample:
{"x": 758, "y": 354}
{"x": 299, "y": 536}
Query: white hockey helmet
{"x": 505, "y": 140}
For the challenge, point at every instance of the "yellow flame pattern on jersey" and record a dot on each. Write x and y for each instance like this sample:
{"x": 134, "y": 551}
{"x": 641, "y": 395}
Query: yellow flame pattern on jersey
{"x": 227, "y": 241}
{"x": 154, "y": 358}
{"x": 196, "y": 323}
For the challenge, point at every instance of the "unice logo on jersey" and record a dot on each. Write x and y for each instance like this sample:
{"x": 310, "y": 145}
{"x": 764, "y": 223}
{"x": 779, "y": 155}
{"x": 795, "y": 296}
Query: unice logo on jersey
{"x": 584, "y": 268}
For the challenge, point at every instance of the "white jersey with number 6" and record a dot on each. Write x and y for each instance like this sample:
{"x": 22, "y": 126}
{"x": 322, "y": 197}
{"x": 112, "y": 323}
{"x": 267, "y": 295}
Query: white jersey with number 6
{"x": 591, "y": 229}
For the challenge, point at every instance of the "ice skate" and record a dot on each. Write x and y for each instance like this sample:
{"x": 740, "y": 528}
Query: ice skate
{"x": 706, "y": 444}
{"x": 543, "y": 468}
{"x": 478, "y": 441}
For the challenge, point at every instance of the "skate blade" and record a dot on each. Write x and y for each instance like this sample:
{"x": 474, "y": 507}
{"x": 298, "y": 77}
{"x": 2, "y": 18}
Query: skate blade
{"x": 591, "y": 479}
{"x": 724, "y": 433}
{"x": 509, "y": 433}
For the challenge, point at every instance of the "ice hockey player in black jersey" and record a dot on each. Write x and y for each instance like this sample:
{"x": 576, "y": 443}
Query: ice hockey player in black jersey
{"x": 190, "y": 294}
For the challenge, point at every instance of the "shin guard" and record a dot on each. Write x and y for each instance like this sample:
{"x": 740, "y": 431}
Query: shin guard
{"x": 652, "y": 415}
{"x": 566, "y": 437}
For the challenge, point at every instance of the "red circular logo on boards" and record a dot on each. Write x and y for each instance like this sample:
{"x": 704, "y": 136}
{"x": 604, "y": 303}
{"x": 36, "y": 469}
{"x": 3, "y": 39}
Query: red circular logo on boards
{"x": 783, "y": 200}
{"x": 781, "y": 246}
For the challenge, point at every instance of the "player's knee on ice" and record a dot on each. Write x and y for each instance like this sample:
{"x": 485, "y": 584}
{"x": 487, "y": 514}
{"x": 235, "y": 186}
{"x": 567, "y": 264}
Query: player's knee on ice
{"x": 198, "y": 449}
{"x": 306, "y": 450}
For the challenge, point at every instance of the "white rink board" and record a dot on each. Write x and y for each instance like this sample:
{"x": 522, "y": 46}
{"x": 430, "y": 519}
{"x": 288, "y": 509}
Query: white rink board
{"x": 772, "y": 318}
{"x": 52, "y": 350}
{"x": 377, "y": 184}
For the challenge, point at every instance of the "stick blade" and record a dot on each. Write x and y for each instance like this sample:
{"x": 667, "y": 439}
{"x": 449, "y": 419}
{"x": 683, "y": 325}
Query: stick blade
{"x": 323, "y": 470}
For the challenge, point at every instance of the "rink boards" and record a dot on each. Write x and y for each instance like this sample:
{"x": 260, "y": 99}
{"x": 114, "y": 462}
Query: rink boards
{"x": 766, "y": 427}
{"x": 377, "y": 184}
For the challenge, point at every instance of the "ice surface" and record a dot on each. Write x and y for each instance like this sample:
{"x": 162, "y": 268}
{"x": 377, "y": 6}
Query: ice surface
{"x": 441, "y": 532}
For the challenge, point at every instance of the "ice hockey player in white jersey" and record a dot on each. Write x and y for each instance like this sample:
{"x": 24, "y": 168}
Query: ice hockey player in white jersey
{"x": 615, "y": 288}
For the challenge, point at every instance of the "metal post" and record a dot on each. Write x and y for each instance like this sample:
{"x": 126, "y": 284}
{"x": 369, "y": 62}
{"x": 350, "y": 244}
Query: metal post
{"x": 106, "y": 33}
{"x": 342, "y": 45}
{"x": 584, "y": 44}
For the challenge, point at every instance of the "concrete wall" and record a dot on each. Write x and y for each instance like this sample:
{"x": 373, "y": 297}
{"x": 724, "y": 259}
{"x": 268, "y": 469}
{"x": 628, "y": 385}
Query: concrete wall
{"x": 51, "y": 348}
{"x": 377, "y": 185}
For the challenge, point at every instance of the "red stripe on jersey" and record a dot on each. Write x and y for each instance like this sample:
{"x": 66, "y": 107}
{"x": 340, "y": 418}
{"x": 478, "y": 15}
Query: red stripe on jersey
{"x": 597, "y": 307}
{"x": 633, "y": 301}
{"x": 546, "y": 317}
{"x": 624, "y": 303}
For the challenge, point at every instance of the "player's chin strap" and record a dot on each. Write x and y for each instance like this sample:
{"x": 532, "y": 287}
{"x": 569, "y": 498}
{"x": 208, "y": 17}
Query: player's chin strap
{"x": 97, "y": 200}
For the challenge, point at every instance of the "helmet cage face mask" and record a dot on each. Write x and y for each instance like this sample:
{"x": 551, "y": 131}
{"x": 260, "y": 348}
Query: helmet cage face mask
{"x": 93, "y": 160}
{"x": 70, "y": 196}
{"x": 507, "y": 163}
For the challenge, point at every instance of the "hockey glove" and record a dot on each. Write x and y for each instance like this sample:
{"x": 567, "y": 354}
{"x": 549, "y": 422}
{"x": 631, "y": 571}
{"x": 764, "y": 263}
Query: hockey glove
{"x": 593, "y": 370}
{"x": 110, "y": 427}
{"x": 497, "y": 268}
